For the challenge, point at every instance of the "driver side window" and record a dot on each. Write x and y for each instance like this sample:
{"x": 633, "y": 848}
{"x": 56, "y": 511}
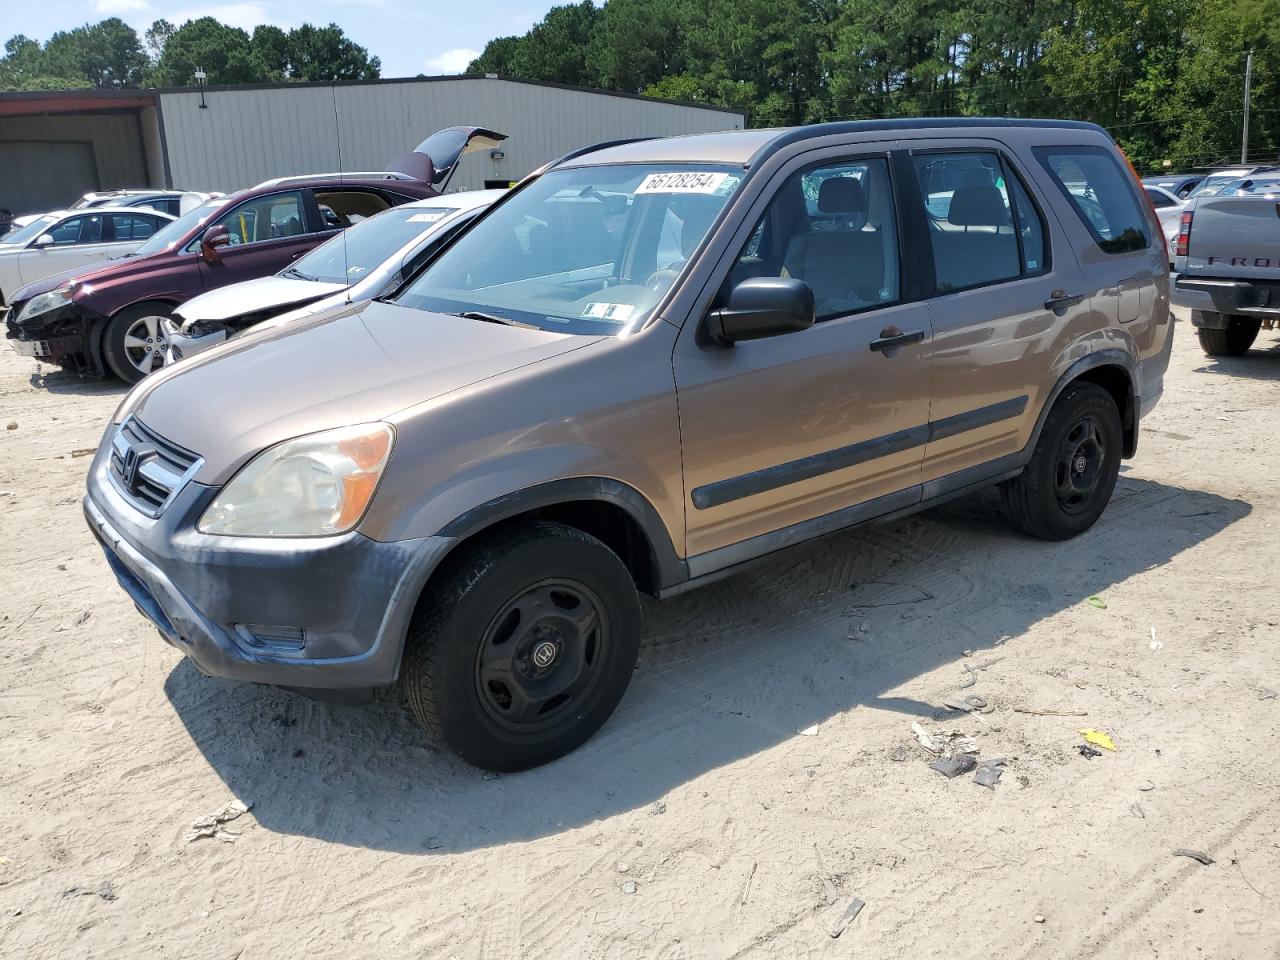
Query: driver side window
{"x": 265, "y": 218}
{"x": 833, "y": 227}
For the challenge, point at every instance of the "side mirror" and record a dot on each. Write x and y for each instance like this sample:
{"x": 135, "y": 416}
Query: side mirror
{"x": 44, "y": 240}
{"x": 763, "y": 307}
{"x": 213, "y": 238}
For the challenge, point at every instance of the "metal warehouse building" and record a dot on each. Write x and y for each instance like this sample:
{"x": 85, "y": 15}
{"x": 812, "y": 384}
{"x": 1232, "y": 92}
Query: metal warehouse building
{"x": 55, "y": 146}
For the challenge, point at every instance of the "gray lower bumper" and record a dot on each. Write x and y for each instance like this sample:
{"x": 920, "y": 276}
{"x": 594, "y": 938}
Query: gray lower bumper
{"x": 325, "y": 613}
{"x": 1225, "y": 298}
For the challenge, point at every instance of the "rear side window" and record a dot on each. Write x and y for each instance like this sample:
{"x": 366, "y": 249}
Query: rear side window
{"x": 1101, "y": 193}
{"x": 983, "y": 227}
{"x": 126, "y": 226}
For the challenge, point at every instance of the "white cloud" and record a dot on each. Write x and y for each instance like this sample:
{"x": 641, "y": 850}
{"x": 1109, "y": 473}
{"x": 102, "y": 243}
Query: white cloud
{"x": 452, "y": 61}
{"x": 246, "y": 16}
{"x": 121, "y": 6}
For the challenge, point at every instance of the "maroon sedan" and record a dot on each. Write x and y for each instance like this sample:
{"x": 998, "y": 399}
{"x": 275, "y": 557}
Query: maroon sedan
{"x": 117, "y": 317}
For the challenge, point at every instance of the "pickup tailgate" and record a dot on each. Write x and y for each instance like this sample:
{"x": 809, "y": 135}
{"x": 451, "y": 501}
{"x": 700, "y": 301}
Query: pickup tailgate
{"x": 1234, "y": 237}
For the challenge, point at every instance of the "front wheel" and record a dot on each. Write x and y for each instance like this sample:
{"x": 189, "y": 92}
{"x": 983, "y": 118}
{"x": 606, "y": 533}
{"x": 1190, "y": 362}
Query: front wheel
{"x": 138, "y": 341}
{"x": 1073, "y": 469}
{"x": 1234, "y": 341}
{"x": 524, "y": 648}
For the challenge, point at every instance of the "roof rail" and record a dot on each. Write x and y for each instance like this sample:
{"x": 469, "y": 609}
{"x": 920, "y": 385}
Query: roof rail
{"x": 337, "y": 174}
{"x": 602, "y": 145}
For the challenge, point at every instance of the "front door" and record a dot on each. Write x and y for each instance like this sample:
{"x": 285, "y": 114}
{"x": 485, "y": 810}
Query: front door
{"x": 1008, "y": 295}
{"x": 267, "y": 232}
{"x": 76, "y": 242}
{"x": 803, "y": 426}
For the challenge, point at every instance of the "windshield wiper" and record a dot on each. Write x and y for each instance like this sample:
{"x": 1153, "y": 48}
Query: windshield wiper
{"x": 490, "y": 318}
{"x": 295, "y": 272}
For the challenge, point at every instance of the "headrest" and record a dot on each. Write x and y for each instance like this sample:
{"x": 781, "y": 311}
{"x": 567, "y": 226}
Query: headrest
{"x": 841, "y": 195}
{"x": 978, "y": 207}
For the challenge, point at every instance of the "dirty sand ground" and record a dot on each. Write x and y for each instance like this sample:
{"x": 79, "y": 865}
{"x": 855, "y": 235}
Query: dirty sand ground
{"x": 744, "y": 838}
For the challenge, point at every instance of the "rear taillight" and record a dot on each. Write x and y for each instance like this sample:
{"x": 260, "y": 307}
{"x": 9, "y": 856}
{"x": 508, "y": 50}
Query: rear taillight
{"x": 1184, "y": 234}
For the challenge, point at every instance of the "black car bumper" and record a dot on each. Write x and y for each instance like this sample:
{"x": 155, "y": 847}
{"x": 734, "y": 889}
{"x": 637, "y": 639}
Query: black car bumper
{"x": 311, "y": 614}
{"x": 1216, "y": 300}
{"x": 65, "y": 336}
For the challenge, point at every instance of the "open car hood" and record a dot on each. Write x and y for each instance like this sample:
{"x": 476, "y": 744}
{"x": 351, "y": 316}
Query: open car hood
{"x": 432, "y": 161}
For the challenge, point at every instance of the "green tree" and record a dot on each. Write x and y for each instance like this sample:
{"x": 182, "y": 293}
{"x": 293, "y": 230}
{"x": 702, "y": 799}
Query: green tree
{"x": 325, "y": 53}
{"x": 223, "y": 52}
{"x": 498, "y": 57}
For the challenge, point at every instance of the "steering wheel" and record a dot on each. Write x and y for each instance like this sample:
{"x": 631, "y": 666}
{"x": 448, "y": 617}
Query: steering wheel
{"x": 661, "y": 279}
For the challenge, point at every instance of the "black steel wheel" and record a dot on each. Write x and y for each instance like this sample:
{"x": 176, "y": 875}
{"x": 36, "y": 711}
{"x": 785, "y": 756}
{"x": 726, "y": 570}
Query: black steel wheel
{"x": 522, "y": 645}
{"x": 1073, "y": 470}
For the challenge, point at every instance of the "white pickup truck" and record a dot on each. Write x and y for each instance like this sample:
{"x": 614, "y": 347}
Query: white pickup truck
{"x": 1227, "y": 261}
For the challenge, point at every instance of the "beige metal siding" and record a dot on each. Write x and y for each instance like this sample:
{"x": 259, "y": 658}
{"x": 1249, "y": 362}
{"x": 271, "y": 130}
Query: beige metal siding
{"x": 247, "y": 136}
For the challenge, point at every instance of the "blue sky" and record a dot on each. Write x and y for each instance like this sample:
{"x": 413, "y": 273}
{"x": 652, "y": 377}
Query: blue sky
{"x": 411, "y": 36}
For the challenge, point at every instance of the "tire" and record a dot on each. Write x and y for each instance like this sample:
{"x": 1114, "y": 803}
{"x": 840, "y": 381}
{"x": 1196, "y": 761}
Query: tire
{"x": 524, "y": 647}
{"x": 1234, "y": 341}
{"x": 1073, "y": 469}
{"x": 136, "y": 341}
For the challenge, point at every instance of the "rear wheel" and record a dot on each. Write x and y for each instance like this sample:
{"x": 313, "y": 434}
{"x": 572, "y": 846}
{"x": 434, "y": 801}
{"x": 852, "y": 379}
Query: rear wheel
{"x": 138, "y": 340}
{"x": 1072, "y": 472}
{"x": 1234, "y": 341}
{"x": 525, "y": 646}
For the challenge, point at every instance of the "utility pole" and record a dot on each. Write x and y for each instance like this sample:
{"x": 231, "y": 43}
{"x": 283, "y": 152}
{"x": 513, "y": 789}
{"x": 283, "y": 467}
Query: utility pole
{"x": 1248, "y": 82}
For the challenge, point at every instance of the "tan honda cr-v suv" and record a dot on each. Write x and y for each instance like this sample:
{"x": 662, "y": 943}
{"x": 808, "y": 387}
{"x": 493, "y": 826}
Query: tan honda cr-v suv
{"x": 647, "y": 365}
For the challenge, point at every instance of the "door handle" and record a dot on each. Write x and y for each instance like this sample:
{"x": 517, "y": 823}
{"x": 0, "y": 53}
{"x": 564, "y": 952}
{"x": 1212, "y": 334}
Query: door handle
{"x": 883, "y": 343}
{"x": 1061, "y": 302}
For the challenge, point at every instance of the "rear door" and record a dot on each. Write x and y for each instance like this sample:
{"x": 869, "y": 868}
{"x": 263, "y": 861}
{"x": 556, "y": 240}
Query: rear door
{"x": 1006, "y": 292}
{"x": 267, "y": 232}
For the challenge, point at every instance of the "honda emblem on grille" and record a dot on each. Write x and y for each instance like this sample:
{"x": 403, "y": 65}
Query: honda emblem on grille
{"x": 129, "y": 469}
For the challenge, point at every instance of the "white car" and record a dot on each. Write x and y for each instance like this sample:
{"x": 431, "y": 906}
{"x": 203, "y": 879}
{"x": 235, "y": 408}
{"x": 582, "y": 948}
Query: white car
{"x": 1168, "y": 206}
{"x": 365, "y": 261}
{"x": 72, "y": 239}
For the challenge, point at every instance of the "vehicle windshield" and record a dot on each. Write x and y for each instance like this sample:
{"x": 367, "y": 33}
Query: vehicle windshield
{"x": 352, "y": 254}
{"x": 172, "y": 233}
{"x": 1264, "y": 186}
{"x": 23, "y": 234}
{"x": 1213, "y": 185}
{"x": 586, "y": 250}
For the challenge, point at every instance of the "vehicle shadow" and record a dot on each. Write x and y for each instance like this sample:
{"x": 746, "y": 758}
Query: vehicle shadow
{"x": 1262, "y": 362}
{"x": 57, "y": 380}
{"x": 735, "y": 668}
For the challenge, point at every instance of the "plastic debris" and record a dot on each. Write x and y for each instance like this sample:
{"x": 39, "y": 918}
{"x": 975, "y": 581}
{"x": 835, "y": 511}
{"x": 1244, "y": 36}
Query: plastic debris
{"x": 1146, "y": 786}
{"x": 630, "y": 887}
{"x": 1266, "y": 693}
{"x": 926, "y": 739}
{"x": 989, "y": 772}
{"x": 1199, "y": 855}
{"x": 966, "y": 704}
{"x": 952, "y": 767}
{"x": 1097, "y": 602}
{"x": 809, "y": 731}
{"x": 846, "y": 918}
{"x": 1087, "y": 751}
{"x": 214, "y": 824}
{"x": 103, "y": 890}
{"x": 1099, "y": 739}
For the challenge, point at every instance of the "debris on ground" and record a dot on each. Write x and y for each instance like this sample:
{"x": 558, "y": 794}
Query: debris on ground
{"x": 1266, "y": 693}
{"x": 952, "y": 767}
{"x": 847, "y": 917}
{"x": 809, "y": 731}
{"x": 1199, "y": 855}
{"x": 491, "y": 776}
{"x": 968, "y": 704}
{"x": 84, "y": 452}
{"x": 746, "y": 886}
{"x": 1154, "y": 644}
{"x": 83, "y": 618}
{"x": 13, "y": 425}
{"x": 214, "y": 824}
{"x": 658, "y": 808}
{"x": 1087, "y": 751}
{"x": 280, "y": 720}
{"x": 898, "y": 754}
{"x": 624, "y": 867}
{"x": 630, "y": 887}
{"x": 926, "y": 739}
{"x": 1099, "y": 739}
{"x": 1146, "y": 786}
{"x": 1137, "y": 811}
{"x": 1037, "y": 712}
{"x": 1097, "y": 602}
{"x": 989, "y": 772}
{"x": 1039, "y": 918}
{"x": 103, "y": 890}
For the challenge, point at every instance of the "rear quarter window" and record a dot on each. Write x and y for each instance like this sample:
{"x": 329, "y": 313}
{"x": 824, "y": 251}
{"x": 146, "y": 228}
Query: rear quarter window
{"x": 1101, "y": 193}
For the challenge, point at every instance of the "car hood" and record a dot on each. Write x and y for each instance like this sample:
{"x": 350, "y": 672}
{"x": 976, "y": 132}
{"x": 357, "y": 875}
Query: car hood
{"x": 352, "y": 365}
{"x": 255, "y": 296}
{"x": 82, "y": 274}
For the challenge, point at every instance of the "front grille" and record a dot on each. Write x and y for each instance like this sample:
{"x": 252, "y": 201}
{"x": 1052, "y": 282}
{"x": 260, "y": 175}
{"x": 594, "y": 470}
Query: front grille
{"x": 147, "y": 468}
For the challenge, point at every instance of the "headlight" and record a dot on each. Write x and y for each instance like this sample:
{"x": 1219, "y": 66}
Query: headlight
{"x": 311, "y": 486}
{"x": 45, "y": 302}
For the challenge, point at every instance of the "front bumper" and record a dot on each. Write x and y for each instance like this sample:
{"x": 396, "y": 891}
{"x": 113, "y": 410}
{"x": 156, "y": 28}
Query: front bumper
{"x": 1225, "y": 298}
{"x": 188, "y": 345}
{"x": 61, "y": 336}
{"x": 311, "y": 614}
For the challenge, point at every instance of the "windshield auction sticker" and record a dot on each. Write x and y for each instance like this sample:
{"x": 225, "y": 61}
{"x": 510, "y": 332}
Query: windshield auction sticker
{"x": 681, "y": 182}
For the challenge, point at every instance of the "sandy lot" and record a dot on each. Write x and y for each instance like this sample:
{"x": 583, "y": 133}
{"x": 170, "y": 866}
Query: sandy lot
{"x": 742, "y": 836}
